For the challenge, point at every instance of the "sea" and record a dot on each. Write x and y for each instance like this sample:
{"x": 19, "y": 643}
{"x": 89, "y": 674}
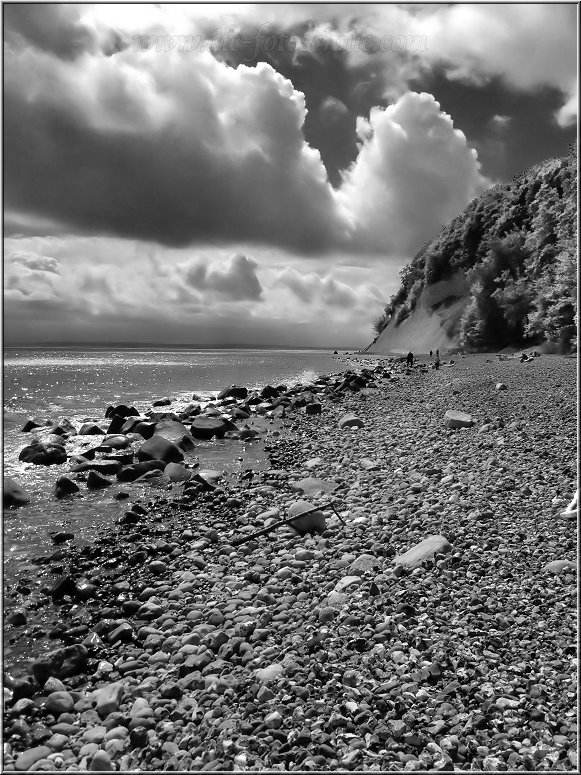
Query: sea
{"x": 79, "y": 384}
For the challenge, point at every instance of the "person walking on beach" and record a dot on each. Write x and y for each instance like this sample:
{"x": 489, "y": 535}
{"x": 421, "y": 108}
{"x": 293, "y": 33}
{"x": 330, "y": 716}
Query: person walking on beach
{"x": 430, "y": 353}
{"x": 437, "y": 361}
{"x": 410, "y": 358}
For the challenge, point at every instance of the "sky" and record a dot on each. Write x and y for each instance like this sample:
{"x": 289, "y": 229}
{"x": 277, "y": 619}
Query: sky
{"x": 240, "y": 174}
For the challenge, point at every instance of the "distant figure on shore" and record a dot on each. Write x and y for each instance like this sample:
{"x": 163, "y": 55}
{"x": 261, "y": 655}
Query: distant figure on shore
{"x": 437, "y": 361}
{"x": 410, "y": 358}
{"x": 437, "y": 353}
{"x": 430, "y": 353}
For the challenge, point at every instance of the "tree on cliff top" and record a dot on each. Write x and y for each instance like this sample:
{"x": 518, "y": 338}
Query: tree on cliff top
{"x": 517, "y": 244}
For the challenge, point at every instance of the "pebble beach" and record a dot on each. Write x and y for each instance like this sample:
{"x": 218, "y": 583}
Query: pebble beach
{"x": 422, "y": 618}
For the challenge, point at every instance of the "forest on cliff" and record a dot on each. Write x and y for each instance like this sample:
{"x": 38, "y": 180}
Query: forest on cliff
{"x": 517, "y": 246}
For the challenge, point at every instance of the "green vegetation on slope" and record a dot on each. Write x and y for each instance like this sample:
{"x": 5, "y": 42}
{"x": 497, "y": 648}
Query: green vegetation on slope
{"x": 517, "y": 244}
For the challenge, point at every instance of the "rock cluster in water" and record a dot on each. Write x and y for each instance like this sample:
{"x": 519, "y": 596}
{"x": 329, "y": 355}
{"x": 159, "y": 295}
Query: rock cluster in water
{"x": 423, "y": 620}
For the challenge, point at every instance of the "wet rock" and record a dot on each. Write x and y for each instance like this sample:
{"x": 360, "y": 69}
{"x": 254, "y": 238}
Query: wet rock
{"x": 61, "y": 663}
{"x": 119, "y": 441}
{"x": 17, "y": 618}
{"x": 96, "y": 481}
{"x": 207, "y": 428}
{"x": 90, "y": 429}
{"x": 176, "y": 432}
{"x": 60, "y": 536}
{"x": 43, "y": 454}
{"x": 247, "y": 434}
{"x": 33, "y": 423}
{"x": 65, "y": 486}
{"x": 234, "y": 391}
{"x": 159, "y": 448}
{"x": 100, "y": 466}
{"x": 64, "y": 585}
{"x": 136, "y": 470}
{"x": 177, "y": 473}
{"x": 84, "y": 589}
{"x": 14, "y": 494}
{"x": 121, "y": 410}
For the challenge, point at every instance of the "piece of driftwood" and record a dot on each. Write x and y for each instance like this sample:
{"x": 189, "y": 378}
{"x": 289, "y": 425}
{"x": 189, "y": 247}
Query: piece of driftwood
{"x": 287, "y": 521}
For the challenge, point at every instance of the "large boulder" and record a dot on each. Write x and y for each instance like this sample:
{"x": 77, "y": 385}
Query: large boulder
{"x": 351, "y": 420}
{"x": 239, "y": 414}
{"x": 454, "y": 419}
{"x": 90, "y": 429}
{"x": 268, "y": 392}
{"x": 177, "y": 473}
{"x": 234, "y": 391}
{"x": 34, "y": 422}
{"x": 132, "y": 472}
{"x": 145, "y": 429}
{"x": 206, "y": 428}
{"x": 65, "y": 486}
{"x": 43, "y": 454}
{"x": 159, "y": 448}
{"x": 176, "y": 432}
{"x": 101, "y": 466}
{"x": 311, "y": 523}
{"x": 14, "y": 495}
{"x": 248, "y": 434}
{"x": 425, "y": 550}
{"x": 117, "y": 422}
{"x": 61, "y": 663}
{"x": 96, "y": 481}
{"x": 117, "y": 442}
{"x": 64, "y": 427}
{"x": 129, "y": 424}
{"x": 121, "y": 410}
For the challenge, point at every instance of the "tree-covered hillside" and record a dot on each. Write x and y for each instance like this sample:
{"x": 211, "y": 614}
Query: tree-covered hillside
{"x": 517, "y": 244}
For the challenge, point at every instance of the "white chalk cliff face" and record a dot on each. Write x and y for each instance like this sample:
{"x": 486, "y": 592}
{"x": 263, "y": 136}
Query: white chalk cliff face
{"x": 432, "y": 323}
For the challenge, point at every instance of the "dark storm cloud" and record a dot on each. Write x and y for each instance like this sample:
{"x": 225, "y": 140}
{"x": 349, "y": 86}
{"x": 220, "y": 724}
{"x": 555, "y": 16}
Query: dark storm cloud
{"x": 323, "y": 72}
{"x": 530, "y": 135}
{"x": 237, "y": 282}
{"x": 57, "y": 29}
{"x": 210, "y": 168}
{"x": 180, "y": 148}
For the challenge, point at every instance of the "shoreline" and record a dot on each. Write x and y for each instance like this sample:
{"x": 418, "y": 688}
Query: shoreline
{"x": 321, "y": 651}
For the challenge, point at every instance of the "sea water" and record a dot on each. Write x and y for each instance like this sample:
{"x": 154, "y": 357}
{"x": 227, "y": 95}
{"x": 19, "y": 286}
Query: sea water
{"x": 80, "y": 383}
